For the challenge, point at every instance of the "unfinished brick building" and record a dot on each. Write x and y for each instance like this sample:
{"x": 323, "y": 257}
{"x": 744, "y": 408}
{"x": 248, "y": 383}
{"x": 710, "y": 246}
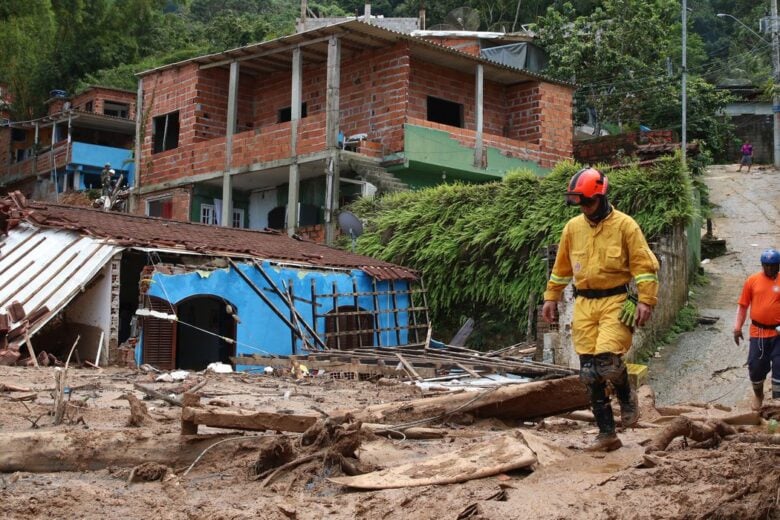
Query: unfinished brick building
{"x": 280, "y": 134}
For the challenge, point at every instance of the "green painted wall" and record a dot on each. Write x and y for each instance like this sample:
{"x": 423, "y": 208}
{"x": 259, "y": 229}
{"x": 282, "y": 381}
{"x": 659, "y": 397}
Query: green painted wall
{"x": 431, "y": 157}
{"x": 202, "y": 194}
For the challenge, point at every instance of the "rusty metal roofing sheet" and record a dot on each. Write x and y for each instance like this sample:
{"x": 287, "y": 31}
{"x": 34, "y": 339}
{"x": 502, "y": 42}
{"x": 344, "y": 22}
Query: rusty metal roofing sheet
{"x": 126, "y": 230}
{"x": 47, "y": 267}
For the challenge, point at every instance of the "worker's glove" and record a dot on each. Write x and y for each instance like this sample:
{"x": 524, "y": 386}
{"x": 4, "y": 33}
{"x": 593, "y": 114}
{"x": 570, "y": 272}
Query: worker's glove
{"x": 737, "y": 336}
{"x": 628, "y": 312}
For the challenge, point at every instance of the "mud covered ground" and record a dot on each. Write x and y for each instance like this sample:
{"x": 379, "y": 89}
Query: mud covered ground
{"x": 731, "y": 481}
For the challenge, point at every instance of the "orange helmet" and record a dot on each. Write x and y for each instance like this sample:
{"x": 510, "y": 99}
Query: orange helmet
{"x": 586, "y": 184}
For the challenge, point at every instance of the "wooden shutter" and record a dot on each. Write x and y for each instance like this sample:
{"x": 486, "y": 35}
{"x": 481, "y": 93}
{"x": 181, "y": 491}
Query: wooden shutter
{"x": 159, "y": 337}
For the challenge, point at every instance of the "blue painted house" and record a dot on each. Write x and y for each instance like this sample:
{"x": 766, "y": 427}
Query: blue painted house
{"x": 177, "y": 294}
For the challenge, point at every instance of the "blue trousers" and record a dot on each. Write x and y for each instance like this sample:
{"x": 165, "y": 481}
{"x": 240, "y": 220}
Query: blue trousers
{"x": 763, "y": 357}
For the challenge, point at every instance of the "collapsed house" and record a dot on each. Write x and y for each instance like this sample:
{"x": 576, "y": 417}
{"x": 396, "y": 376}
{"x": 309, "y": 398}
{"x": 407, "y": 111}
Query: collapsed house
{"x": 128, "y": 288}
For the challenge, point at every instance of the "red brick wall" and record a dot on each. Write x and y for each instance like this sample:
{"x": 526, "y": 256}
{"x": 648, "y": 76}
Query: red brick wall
{"x": 180, "y": 198}
{"x": 468, "y": 45}
{"x": 433, "y": 80}
{"x": 524, "y": 111}
{"x": 167, "y": 91}
{"x": 99, "y": 95}
{"x": 557, "y": 132}
{"x": 605, "y": 148}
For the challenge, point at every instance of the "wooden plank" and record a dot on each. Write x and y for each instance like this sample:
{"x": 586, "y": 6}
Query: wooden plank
{"x": 408, "y": 366}
{"x": 466, "y": 369}
{"x": 218, "y": 417}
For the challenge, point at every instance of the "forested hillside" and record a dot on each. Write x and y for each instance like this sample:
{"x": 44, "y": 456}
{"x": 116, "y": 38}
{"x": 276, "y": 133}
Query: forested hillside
{"x": 624, "y": 55}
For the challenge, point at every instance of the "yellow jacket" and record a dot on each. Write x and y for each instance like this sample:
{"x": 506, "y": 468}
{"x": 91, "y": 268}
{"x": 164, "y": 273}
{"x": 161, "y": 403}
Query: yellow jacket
{"x": 602, "y": 256}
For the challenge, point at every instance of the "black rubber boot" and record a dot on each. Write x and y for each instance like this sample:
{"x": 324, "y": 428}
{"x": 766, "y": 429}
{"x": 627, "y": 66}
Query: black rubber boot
{"x": 629, "y": 402}
{"x": 606, "y": 440}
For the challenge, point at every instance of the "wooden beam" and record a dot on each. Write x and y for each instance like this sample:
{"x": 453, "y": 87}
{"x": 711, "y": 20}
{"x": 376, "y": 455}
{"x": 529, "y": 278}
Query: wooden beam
{"x": 408, "y": 366}
{"x": 218, "y": 417}
{"x": 332, "y": 124}
{"x": 269, "y": 52}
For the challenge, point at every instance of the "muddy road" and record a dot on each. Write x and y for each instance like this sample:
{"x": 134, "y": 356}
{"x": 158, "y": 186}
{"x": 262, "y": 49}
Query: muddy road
{"x": 705, "y": 364}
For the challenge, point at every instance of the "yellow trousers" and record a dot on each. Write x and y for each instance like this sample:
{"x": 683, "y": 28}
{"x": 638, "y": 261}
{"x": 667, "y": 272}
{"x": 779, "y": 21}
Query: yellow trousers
{"x": 596, "y": 328}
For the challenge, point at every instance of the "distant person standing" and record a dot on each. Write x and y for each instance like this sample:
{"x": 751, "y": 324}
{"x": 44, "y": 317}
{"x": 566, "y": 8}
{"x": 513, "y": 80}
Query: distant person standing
{"x": 747, "y": 156}
{"x": 106, "y": 179}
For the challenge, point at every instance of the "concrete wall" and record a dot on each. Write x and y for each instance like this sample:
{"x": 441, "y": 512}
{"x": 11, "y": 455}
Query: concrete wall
{"x": 672, "y": 252}
{"x": 757, "y": 128}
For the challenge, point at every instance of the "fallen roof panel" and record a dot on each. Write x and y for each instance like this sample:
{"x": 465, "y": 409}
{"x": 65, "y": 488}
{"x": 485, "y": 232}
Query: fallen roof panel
{"x": 47, "y": 268}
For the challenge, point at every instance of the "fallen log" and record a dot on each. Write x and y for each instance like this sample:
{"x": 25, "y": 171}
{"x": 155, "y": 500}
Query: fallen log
{"x": 6, "y": 387}
{"x": 514, "y": 401}
{"x": 685, "y": 427}
{"x": 89, "y": 450}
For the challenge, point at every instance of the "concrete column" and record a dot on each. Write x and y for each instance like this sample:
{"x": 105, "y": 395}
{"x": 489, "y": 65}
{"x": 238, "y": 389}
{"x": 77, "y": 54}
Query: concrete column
{"x": 479, "y": 96}
{"x": 295, "y": 118}
{"x": 139, "y": 110}
{"x": 226, "y": 219}
{"x": 332, "y": 123}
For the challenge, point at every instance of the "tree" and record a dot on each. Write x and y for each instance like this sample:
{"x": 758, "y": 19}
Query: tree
{"x": 26, "y": 37}
{"x": 620, "y": 56}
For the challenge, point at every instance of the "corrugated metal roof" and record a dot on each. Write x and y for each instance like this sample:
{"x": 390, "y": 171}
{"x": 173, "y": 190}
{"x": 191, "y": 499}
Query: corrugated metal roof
{"x": 47, "y": 267}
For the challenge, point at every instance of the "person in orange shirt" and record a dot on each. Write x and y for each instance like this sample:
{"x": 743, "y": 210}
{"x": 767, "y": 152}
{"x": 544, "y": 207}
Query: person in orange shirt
{"x": 761, "y": 293}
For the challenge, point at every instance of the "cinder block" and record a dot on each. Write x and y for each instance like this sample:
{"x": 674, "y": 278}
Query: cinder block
{"x": 637, "y": 374}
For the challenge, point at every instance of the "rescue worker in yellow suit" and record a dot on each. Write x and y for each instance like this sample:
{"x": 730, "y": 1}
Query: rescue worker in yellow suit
{"x": 602, "y": 250}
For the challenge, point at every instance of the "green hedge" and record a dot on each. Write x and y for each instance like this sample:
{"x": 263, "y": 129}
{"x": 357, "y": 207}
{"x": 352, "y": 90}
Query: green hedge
{"x": 481, "y": 248}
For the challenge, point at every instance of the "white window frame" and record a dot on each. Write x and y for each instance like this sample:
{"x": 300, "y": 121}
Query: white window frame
{"x": 210, "y": 211}
{"x": 238, "y": 218}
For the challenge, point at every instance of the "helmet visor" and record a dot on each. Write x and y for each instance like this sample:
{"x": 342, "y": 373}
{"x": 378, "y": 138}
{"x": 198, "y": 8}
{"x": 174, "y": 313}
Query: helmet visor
{"x": 575, "y": 199}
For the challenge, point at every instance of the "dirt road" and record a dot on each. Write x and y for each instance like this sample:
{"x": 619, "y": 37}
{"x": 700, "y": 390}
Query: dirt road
{"x": 705, "y": 364}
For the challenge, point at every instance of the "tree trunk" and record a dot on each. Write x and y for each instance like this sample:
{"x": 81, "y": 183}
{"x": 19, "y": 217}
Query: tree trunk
{"x": 79, "y": 450}
{"x": 521, "y": 401}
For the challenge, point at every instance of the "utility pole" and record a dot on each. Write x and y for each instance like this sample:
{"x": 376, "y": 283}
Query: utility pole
{"x": 683, "y": 131}
{"x": 776, "y": 95}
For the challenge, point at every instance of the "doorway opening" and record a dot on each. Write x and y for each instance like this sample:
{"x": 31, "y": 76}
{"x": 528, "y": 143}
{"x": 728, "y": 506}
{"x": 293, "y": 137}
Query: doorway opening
{"x": 204, "y": 323}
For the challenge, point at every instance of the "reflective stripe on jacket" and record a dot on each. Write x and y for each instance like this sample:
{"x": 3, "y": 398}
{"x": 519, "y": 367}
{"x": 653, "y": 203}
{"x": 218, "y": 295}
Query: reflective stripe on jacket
{"x": 603, "y": 256}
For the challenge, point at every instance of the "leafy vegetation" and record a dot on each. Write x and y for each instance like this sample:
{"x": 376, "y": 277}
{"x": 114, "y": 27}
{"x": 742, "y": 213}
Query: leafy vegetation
{"x": 481, "y": 248}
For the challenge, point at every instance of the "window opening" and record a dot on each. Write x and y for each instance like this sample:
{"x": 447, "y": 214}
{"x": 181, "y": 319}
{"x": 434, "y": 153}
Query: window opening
{"x": 111, "y": 108}
{"x": 160, "y": 208}
{"x": 445, "y": 112}
{"x": 165, "y": 132}
{"x": 285, "y": 114}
